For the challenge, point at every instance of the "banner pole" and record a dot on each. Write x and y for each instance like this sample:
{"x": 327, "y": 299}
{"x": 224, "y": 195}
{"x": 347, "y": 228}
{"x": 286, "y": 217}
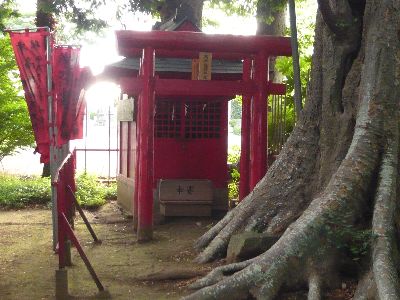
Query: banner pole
{"x": 52, "y": 134}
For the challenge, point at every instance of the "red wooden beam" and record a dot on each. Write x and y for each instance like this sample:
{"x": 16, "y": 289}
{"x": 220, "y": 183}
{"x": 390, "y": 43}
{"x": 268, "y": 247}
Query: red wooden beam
{"x": 131, "y": 85}
{"x": 135, "y": 52}
{"x": 244, "y": 187}
{"x": 146, "y": 153}
{"x": 129, "y": 40}
{"x": 276, "y": 88}
{"x": 182, "y": 87}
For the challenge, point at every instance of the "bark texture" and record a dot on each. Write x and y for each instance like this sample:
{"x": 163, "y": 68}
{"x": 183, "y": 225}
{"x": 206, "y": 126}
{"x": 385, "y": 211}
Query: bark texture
{"x": 339, "y": 166}
{"x": 44, "y": 15}
{"x": 271, "y": 20}
{"x": 179, "y": 9}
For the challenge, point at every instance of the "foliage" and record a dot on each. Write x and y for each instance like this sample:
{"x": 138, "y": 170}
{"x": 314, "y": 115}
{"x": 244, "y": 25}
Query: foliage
{"x": 233, "y": 185}
{"x": 241, "y": 8}
{"x": 111, "y": 191}
{"x": 7, "y": 11}
{"x": 92, "y": 194}
{"x": 22, "y": 191}
{"x": 236, "y": 108}
{"x": 341, "y": 234}
{"x": 82, "y": 13}
{"x": 305, "y": 29}
{"x": 18, "y": 192}
{"x": 15, "y": 126}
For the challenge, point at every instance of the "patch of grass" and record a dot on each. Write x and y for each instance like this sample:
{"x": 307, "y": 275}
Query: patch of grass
{"x": 19, "y": 192}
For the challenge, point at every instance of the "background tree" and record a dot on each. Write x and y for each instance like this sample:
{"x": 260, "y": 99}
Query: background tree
{"x": 337, "y": 172}
{"x": 15, "y": 127}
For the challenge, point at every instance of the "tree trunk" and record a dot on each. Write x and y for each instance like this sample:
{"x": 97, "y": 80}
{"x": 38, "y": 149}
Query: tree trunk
{"x": 271, "y": 20}
{"x": 191, "y": 9}
{"x": 337, "y": 173}
{"x": 180, "y": 9}
{"x": 44, "y": 15}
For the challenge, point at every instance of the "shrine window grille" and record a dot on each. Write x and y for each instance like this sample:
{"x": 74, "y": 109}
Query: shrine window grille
{"x": 188, "y": 119}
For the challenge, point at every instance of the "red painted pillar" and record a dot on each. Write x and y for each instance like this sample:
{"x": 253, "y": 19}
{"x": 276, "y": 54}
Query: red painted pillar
{"x": 259, "y": 124}
{"x": 244, "y": 187}
{"x": 146, "y": 143}
{"x": 137, "y": 174}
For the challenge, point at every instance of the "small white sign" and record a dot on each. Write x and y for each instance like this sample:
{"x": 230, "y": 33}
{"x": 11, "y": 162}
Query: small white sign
{"x": 125, "y": 109}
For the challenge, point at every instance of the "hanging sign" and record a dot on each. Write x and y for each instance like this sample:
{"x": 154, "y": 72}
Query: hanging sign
{"x": 125, "y": 109}
{"x": 205, "y": 65}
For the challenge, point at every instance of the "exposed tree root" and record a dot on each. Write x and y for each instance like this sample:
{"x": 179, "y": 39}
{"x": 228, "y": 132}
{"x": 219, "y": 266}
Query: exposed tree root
{"x": 343, "y": 194}
{"x": 217, "y": 239}
{"x": 257, "y": 210}
{"x": 383, "y": 225}
{"x": 314, "y": 287}
{"x": 366, "y": 288}
{"x": 219, "y": 273}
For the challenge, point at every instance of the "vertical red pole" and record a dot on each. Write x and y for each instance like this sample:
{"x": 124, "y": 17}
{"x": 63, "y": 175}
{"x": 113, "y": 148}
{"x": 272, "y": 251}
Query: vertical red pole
{"x": 61, "y": 209}
{"x": 146, "y": 153}
{"x": 259, "y": 124}
{"x": 137, "y": 174}
{"x": 244, "y": 187}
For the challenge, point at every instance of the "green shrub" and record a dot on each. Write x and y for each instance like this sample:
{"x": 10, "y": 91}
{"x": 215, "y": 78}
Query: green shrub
{"x": 18, "y": 192}
{"x": 111, "y": 191}
{"x": 233, "y": 185}
{"x": 23, "y": 191}
{"x": 90, "y": 193}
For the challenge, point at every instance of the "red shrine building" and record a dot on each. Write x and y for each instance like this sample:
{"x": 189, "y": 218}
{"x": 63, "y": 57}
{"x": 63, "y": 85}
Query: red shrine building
{"x": 173, "y": 118}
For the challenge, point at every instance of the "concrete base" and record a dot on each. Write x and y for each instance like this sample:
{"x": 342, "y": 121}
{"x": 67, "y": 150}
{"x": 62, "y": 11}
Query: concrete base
{"x": 125, "y": 192}
{"x": 62, "y": 284}
{"x": 185, "y": 209}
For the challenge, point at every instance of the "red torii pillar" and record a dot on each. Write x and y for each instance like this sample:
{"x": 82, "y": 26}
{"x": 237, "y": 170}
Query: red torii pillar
{"x": 146, "y": 154}
{"x": 244, "y": 186}
{"x": 259, "y": 122}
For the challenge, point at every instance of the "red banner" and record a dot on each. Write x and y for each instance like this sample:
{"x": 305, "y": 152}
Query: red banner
{"x": 68, "y": 79}
{"x": 69, "y": 82}
{"x": 30, "y": 52}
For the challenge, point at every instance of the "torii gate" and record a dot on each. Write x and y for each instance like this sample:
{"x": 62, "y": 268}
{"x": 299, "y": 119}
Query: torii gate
{"x": 254, "y": 87}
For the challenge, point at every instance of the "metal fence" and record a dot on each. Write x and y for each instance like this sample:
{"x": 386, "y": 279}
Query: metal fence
{"x": 97, "y": 153}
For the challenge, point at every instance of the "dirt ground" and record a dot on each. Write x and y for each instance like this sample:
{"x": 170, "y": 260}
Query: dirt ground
{"x": 28, "y": 264}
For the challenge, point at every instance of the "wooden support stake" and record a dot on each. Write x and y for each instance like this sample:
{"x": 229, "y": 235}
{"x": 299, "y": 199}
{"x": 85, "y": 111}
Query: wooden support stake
{"x": 83, "y": 216}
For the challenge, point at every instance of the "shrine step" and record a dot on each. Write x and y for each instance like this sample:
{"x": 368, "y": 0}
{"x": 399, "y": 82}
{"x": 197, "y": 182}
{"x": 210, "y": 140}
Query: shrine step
{"x": 180, "y": 210}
